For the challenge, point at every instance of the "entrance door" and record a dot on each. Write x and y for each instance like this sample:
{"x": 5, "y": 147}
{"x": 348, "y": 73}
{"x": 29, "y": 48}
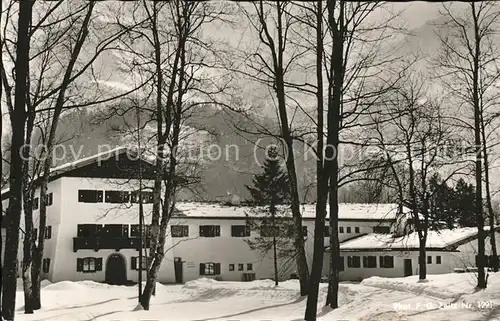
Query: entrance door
{"x": 408, "y": 268}
{"x": 178, "y": 269}
{"x": 116, "y": 272}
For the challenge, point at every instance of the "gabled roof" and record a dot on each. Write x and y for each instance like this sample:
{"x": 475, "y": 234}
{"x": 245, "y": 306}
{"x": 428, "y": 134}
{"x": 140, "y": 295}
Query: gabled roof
{"x": 67, "y": 168}
{"x": 446, "y": 240}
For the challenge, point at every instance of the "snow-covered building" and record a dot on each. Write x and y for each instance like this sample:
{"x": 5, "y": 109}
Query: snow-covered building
{"x": 92, "y": 228}
{"x": 387, "y": 255}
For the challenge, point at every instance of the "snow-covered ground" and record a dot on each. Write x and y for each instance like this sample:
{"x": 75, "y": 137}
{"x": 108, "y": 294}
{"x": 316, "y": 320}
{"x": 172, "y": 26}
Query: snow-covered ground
{"x": 443, "y": 297}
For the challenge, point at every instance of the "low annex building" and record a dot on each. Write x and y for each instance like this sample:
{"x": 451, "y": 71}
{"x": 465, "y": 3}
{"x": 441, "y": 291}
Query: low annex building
{"x": 387, "y": 255}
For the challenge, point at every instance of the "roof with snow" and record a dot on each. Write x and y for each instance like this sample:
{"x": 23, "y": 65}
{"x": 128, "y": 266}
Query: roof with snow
{"x": 446, "y": 240}
{"x": 118, "y": 161}
{"x": 355, "y": 212}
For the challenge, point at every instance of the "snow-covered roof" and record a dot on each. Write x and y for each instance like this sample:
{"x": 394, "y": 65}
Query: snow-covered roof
{"x": 86, "y": 161}
{"x": 346, "y": 211}
{"x": 443, "y": 239}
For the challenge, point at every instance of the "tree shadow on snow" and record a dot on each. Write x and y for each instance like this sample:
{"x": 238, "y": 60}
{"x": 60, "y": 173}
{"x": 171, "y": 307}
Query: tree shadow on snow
{"x": 253, "y": 310}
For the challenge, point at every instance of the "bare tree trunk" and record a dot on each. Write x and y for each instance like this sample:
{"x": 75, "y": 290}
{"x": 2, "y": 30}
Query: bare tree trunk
{"x": 491, "y": 213}
{"x": 30, "y": 237}
{"x": 422, "y": 264}
{"x": 275, "y": 250}
{"x": 321, "y": 180}
{"x": 334, "y": 111}
{"x": 18, "y": 117}
{"x": 481, "y": 281}
{"x": 1, "y": 168}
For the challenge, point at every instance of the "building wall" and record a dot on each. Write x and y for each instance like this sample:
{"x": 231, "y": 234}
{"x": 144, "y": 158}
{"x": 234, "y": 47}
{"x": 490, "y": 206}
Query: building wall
{"x": 66, "y": 213}
{"x": 74, "y": 213}
{"x": 357, "y": 274}
{"x": 468, "y": 251}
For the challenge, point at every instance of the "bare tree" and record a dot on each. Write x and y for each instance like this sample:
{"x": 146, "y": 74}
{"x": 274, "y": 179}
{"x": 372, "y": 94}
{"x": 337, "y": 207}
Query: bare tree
{"x": 273, "y": 22}
{"x": 174, "y": 56}
{"x": 411, "y": 138}
{"x": 17, "y": 117}
{"x": 467, "y": 66}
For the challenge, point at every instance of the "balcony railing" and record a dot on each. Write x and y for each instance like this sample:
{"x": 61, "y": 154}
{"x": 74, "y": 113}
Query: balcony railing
{"x": 107, "y": 243}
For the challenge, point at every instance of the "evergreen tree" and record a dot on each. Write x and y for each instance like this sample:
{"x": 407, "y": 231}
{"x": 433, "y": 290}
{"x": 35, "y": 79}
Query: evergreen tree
{"x": 465, "y": 203}
{"x": 269, "y": 190}
{"x": 441, "y": 202}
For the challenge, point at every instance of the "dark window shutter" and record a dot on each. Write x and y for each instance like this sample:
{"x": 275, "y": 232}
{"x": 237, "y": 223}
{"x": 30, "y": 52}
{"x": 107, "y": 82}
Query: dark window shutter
{"x": 133, "y": 263}
{"x": 98, "y": 264}
{"x": 79, "y": 265}
{"x": 202, "y": 269}
{"x": 186, "y": 230}
{"x": 201, "y": 231}
{"x": 365, "y": 261}
{"x": 217, "y": 268}
{"x": 217, "y": 230}
{"x": 99, "y": 196}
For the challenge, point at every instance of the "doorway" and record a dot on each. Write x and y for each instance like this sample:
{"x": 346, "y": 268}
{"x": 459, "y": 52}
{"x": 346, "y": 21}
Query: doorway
{"x": 178, "y": 269}
{"x": 116, "y": 271}
{"x": 408, "y": 267}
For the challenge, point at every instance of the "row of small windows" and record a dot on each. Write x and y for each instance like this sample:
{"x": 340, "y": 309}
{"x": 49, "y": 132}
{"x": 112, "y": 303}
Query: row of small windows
{"x": 110, "y": 230}
{"x": 429, "y": 259}
{"x": 368, "y": 262}
{"x": 236, "y": 231}
{"x": 115, "y": 197}
{"x": 241, "y": 267}
{"x": 49, "y": 200}
{"x": 371, "y": 261}
{"x": 94, "y": 264}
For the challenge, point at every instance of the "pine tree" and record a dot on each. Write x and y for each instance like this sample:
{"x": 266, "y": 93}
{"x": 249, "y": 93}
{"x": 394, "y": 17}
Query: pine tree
{"x": 442, "y": 201}
{"x": 269, "y": 190}
{"x": 465, "y": 203}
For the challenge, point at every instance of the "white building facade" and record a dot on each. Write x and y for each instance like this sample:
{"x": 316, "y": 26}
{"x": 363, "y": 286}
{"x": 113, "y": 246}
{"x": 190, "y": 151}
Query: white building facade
{"x": 92, "y": 229}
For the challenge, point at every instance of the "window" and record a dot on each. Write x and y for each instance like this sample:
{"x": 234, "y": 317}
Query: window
{"x": 438, "y": 259}
{"x": 341, "y": 229}
{"x": 249, "y": 266}
{"x": 134, "y": 262}
{"x": 114, "y": 231}
{"x": 381, "y": 229}
{"x": 89, "y": 264}
{"x": 49, "y": 199}
{"x": 231, "y": 267}
{"x": 179, "y": 230}
{"x": 356, "y": 229}
{"x": 240, "y": 230}
{"x": 267, "y": 230}
{"x": 353, "y": 261}
{"x": 89, "y": 196}
{"x": 46, "y": 265}
{"x": 386, "y": 261}
{"x": 348, "y": 229}
{"x": 147, "y": 197}
{"x": 429, "y": 259}
{"x": 88, "y": 230}
{"x": 135, "y": 232}
{"x": 209, "y": 230}
{"x": 240, "y": 267}
{"x": 48, "y": 232}
{"x": 210, "y": 268}
{"x": 369, "y": 261}
{"x": 117, "y": 197}
{"x": 35, "y": 203}
{"x": 327, "y": 231}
